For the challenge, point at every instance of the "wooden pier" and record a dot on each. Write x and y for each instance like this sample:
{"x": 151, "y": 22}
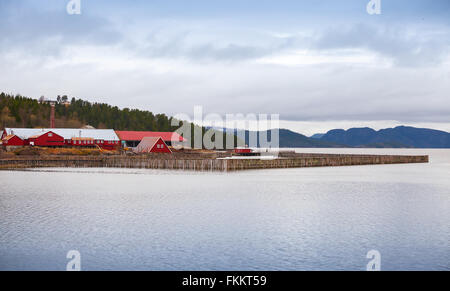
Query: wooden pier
{"x": 222, "y": 165}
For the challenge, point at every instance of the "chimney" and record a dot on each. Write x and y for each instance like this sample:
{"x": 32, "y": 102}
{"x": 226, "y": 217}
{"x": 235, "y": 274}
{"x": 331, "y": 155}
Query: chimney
{"x": 52, "y": 115}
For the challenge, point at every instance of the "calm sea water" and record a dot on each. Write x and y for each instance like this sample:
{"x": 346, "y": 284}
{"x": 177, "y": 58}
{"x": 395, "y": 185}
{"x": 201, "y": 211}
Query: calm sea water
{"x": 286, "y": 219}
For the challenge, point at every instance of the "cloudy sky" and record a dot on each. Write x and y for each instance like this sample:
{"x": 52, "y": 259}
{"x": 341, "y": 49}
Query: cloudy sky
{"x": 319, "y": 64}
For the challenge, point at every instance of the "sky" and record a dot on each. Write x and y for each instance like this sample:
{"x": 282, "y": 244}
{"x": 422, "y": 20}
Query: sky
{"x": 320, "y": 65}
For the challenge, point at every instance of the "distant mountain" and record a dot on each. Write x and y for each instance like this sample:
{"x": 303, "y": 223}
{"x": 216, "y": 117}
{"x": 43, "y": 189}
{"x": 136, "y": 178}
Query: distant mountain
{"x": 290, "y": 139}
{"x": 399, "y": 137}
{"x": 318, "y": 135}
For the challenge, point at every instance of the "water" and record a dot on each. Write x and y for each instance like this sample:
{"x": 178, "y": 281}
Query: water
{"x": 281, "y": 219}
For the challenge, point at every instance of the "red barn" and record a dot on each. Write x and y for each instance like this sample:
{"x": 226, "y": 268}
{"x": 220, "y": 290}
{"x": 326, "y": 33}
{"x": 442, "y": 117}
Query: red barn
{"x": 152, "y": 145}
{"x": 13, "y": 140}
{"x": 48, "y": 139}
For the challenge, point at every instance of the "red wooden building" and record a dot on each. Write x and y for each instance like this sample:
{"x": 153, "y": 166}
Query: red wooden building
{"x": 152, "y": 145}
{"x": 47, "y": 139}
{"x": 69, "y": 137}
{"x": 91, "y": 142}
{"x": 12, "y": 140}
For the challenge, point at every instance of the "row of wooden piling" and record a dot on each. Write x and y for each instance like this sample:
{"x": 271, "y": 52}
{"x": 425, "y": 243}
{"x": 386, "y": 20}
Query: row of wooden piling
{"x": 325, "y": 161}
{"x": 222, "y": 165}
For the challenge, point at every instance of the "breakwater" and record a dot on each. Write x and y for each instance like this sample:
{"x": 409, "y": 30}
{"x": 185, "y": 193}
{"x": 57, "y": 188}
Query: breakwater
{"x": 223, "y": 165}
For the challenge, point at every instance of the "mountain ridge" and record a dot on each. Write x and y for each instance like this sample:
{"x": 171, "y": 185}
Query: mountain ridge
{"x": 365, "y": 137}
{"x": 400, "y": 136}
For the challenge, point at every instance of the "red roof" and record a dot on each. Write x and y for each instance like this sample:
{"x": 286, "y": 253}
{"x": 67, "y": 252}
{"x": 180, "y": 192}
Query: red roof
{"x": 139, "y": 135}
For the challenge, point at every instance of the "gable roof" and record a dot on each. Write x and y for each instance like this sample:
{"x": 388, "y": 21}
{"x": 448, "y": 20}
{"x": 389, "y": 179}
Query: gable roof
{"x": 147, "y": 144}
{"x": 66, "y": 133}
{"x": 140, "y": 135}
{"x": 43, "y": 133}
{"x": 8, "y": 137}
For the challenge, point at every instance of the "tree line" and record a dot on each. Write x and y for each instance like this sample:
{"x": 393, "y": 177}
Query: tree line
{"x": 20, "y": 111}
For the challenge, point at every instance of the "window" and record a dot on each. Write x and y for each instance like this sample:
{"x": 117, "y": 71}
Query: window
{"x": 50, "y": 134}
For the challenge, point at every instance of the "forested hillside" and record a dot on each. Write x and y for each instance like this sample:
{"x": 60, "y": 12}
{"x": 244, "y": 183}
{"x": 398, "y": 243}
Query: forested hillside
{"x": 19, "y": 111}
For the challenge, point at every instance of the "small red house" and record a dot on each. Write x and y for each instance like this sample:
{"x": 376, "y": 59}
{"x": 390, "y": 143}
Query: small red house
{"x": 48, "y": 139}
{"x": 13, "y": 140}
{"x": 243, "y": 151}
{"x": 152, "y": 145}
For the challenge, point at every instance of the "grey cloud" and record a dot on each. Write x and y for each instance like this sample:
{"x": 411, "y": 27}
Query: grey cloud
{"x": 306, "y": 93}
{"x": 227, "y": 84}
{"x": 406, "y": 48}
{"x": 182, "y": 46}
{"x": 228, "y": 52}
{"x": 46, "y": 31}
